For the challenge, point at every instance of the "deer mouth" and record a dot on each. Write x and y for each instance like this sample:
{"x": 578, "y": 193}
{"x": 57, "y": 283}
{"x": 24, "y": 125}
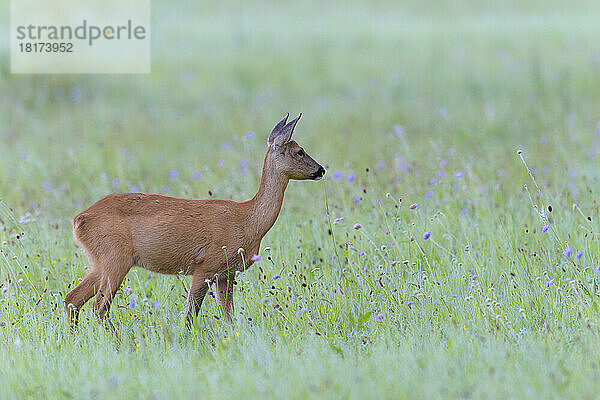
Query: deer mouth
{"x": 319, "y": 174}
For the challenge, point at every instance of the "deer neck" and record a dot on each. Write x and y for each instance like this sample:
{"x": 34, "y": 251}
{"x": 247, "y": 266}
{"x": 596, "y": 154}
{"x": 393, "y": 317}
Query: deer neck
{"x": 266, "y": 204}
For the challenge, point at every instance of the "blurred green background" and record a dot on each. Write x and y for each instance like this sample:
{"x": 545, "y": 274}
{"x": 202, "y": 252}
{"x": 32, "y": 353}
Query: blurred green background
{"x": 484, "y": 77}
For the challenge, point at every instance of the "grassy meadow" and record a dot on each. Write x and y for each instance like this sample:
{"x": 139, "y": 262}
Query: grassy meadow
{"x": 433, "y": 261}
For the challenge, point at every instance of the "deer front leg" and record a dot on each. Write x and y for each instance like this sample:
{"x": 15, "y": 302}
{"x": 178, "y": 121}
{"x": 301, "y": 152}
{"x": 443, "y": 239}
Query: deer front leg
{"x": 197, "y": 292}
{"x": 225, "y": 291}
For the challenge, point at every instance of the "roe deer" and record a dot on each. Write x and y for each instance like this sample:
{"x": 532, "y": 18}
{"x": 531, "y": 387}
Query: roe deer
{"x": 170, "y": 235}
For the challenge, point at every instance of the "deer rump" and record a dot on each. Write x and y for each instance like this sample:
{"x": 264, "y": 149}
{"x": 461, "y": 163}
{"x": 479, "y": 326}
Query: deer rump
{"x": 162, "y": 234}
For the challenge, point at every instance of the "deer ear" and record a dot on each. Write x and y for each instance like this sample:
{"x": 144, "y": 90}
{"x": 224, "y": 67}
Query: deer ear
{"x": 284, "y": 134}
{"x": 277, "y": 130}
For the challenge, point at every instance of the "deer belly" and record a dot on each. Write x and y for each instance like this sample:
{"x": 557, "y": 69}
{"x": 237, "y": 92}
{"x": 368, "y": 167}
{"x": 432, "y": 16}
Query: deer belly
{"x": 165, "y": 260}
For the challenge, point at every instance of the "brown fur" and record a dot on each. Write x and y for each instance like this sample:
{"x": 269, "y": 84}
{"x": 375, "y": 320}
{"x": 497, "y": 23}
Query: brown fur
{"x": 172, "y": 236}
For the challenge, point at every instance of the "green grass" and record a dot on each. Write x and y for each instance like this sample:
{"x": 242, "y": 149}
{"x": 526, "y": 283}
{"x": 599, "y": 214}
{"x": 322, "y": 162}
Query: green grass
{"x": 488, "y": 307}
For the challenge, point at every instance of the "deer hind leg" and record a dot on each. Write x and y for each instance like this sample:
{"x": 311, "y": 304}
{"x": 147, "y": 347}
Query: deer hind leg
{"x": 196, "y": 295}
{"x": 77, "y": 297}
{"x": 225, "y": 291}
{"x": 113, "y": 273}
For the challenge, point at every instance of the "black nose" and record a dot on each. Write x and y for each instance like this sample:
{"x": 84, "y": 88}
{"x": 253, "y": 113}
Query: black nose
{"x": 319, "y": 173}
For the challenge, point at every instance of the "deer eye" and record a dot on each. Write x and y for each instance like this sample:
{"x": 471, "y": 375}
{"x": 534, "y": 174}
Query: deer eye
{"x": 300, "y": 153}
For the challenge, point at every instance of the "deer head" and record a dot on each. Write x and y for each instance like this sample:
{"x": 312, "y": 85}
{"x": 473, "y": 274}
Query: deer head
{"x": 287, "y": 157}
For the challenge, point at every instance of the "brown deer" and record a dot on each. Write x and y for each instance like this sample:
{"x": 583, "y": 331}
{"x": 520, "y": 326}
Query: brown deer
{"x": 200, "y": 238}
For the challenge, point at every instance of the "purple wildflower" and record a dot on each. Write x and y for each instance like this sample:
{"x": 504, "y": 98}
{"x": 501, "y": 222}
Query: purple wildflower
{"x": 256, "y": 257}
{"x": 165, "y": 189}
{"x": 357, "y": 199}
{"x": 135, "y": 189}
{"x": 4, "y": 290}
{"x": 399, "y": 130}
{"x": 411, "y": 238}
{"x": 598, "y": 267}
{"x": 221, "y": 163}
{"x": 75, "y": 94}
{"x": 443, "y": 162}
{"x": 545, "y": 228}
{"x": 386, "y": 232}
{"x": 132, "y": 303}
{"x": 432, "y": 181}
{"x": 361, "y": 253}
{"x": 393, "y": 243}
{"x": 428, "y": 194}
{"x": 381, "y": 164}
{"x": 379, "y": 317}
{"x": 337, "y": 175}
{"x": 413, "y": 206}
{"x": 426, "y": 235}
{"x": 116, "y": 182}
{"x": 579, "y": 254}
{"x": 550, "y": 283}
{"x": 350, "y": 177}
{"x": 567, "y": 252}
{"x": 243, "y": 164}
{"x": 463, "y": 211}
{"x": 458, "y": 174}
{"x": 173, "y": 174}
{"x": 357, "y": 226}
{"x": 156, "y": 305}
{"x": 196, "y": 175}
{"x": 250, "y": 135}
{"x": 276, "y": 276}
{"x": 225, "y": 146}
{"x": 473, "y": 278}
